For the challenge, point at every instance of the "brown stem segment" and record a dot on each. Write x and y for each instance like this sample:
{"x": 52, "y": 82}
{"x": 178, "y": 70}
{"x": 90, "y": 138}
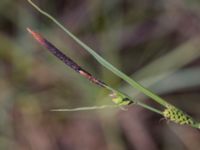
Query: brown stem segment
{"x": 68, "y": 61}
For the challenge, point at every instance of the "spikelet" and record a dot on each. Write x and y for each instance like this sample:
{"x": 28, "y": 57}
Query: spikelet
{"x": 175, "y": 115}
{"x": 120, "y": 99}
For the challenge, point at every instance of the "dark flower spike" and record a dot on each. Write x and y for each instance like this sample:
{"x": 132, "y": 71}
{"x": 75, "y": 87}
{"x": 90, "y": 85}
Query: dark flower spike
{"x": 68, "y": 61}
{"x": 119, "y": 99}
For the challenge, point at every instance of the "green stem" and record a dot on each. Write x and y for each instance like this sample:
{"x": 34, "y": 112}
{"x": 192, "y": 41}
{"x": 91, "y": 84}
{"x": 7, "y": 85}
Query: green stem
{"x": 149, "y": 107}
{"x": 197, "y": 125}
{"x": 86, "y": 108}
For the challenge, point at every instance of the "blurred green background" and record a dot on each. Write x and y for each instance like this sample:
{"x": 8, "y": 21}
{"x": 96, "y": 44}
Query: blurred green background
{"x": 155, "y": 42}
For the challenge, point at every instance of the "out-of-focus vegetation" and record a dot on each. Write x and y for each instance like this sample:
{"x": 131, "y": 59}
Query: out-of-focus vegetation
{"x": 155, "y": 42}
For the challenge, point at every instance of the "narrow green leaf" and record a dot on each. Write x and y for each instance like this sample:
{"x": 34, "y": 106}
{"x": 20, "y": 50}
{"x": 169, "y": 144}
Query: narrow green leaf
{"x": 103, "y": 62}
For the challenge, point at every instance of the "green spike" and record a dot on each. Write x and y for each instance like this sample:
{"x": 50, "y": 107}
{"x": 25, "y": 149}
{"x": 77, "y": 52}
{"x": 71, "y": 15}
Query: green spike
{"x": 175, "y": 115}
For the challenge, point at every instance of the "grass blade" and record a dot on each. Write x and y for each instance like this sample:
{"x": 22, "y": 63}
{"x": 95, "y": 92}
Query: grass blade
{"x": 105, "y": 63}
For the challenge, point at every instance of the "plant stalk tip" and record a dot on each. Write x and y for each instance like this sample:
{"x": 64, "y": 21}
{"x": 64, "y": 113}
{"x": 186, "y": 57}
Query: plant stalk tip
{"x": 28, "y": 29}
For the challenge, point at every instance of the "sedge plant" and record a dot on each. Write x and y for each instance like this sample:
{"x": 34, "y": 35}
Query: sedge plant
{"x": 170, "y": 112}
{"x": 118, "y": 97}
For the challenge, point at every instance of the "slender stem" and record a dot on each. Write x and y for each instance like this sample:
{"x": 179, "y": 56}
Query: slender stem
{"x": 87, "y": 108}
{"x": 106, "y": 64}
{"x": 102, "y": 107}
{"x": 149, "y": 107}
{"x": 197, "y": 125}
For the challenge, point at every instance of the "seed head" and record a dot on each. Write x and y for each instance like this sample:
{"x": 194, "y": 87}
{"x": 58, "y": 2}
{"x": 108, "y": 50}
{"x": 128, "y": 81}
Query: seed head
{"x": 175, "y": 115}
